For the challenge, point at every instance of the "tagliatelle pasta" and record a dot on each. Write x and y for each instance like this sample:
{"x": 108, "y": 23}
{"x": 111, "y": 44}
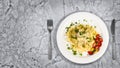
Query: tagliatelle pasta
{"x": 82, "y": 38}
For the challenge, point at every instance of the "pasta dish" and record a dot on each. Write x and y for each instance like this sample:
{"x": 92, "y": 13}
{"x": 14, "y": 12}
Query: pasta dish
{"x": 83, "y": 38}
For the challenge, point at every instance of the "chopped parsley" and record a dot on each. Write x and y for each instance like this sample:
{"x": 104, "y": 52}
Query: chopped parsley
{"x": 80, "y": 54}
{"x": 74, "y": 52}
{"x": 94, "y": 26}
{"x": 82, "y": 32}
{"x": 75, "y": 22}
{"x": 84, "y": 20}
{"x": 71, "y": 24}
{"x": 66, "y": 44}
{"x": 76, "y": 30}
{"x": 67, "y": 28}
{"x": 68, "y": 48}
{"x": 89, "y": 39}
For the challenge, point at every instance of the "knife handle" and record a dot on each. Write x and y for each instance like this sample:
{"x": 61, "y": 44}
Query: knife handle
{"x": 113, "y": 48}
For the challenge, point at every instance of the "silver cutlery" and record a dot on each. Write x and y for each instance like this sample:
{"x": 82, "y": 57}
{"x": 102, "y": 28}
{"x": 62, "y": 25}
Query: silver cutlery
{"x": 50, "y": 28}
{"x": 113, "y": 39}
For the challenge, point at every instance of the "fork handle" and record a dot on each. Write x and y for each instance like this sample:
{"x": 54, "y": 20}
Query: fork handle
{"x": 50, "y": 48}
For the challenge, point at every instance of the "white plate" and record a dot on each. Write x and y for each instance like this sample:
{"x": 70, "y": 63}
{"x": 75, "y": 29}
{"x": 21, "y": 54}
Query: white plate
{"x": 92, "y": 20}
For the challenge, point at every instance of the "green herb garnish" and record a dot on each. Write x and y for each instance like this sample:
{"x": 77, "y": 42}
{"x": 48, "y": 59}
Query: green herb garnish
{"x": 75, "y": 22}
{"x": 94, "y": 26}
{"x": 80, "y": 54}
{"x": 81, "y": 33}
{"x": 67, "y": 28}
{"x": 81, "y": 25}
{"x": 84, "y": 20}
{"x": 89, "y": 39}
{"x": 76, "y": 30}
{"x": 71, "y": 24}
{"x": 68, "y": 48}
{"x": 74, "y": 52}
{"x": 66, "y": 44}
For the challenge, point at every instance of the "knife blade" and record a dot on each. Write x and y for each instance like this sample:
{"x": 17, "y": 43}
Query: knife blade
{"x": 113, "y": 39}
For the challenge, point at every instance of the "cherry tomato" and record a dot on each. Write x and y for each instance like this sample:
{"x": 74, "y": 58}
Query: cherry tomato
{"x": 90, "y": 52}
{"x": 99, "y": 44}
{"x": 101, "y": 40}
{"x": 97, "y": 47}
{"x": 98, "y": 35}
{"x": 97, "y": 40}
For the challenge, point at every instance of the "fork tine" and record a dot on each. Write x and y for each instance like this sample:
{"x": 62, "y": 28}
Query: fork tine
{"x": 49, "y": 22}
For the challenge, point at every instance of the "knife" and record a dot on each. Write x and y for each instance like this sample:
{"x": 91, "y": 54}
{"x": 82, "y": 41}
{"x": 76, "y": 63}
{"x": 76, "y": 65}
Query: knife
{"x": 113, "y": 39}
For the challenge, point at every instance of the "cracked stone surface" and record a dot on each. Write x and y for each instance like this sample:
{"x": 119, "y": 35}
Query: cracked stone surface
{"x": 24, "y": 36}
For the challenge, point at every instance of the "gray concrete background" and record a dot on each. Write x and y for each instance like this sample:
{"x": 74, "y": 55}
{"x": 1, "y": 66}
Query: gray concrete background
{"x": 24, "y": 36}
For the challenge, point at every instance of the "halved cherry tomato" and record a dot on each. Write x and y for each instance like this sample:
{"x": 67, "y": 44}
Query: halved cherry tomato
{"x": 99, "y": 44}
{"x": 101, "y": 40}
{"x": 97, "y": 47}
{"x": 97, "y": 39}
{"x": 98, "y": 35}
{"x": 90, "y": 52}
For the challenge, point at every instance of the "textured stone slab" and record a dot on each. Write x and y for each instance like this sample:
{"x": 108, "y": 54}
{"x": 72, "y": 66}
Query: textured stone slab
{"x": 24, "y": 36}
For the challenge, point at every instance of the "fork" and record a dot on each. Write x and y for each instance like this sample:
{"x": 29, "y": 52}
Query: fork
{"x": 50, "y": 28}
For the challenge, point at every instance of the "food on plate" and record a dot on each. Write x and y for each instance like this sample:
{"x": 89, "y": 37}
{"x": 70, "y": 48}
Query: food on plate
{"x": 83, "y": 38}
